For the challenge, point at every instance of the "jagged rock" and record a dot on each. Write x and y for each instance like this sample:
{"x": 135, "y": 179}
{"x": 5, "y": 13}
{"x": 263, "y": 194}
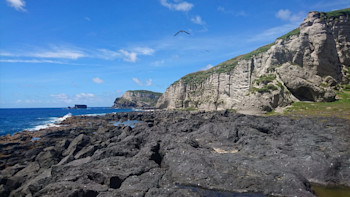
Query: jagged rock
{"x": 77, "y": 144}
{"x": 184, "y": 154}
{"x": 305, "y": 64}
{"x": 137, "y": 99}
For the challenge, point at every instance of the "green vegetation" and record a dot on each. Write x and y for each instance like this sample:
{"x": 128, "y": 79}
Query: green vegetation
{"x": 264, "y": 89}
{"x": 225, "y": 67}
{"x": 339, "y": 108}
{"x": 145, "y": 92}
{"x": 335, "y": 14}
{"x": 257, "y": 51}
{"x": 265, "y": 79}
{"x": 346, "y": 87}
{"x": 291, "y": 33}
{"x": 280, "y": 85}
{"x": 197, "y": 77}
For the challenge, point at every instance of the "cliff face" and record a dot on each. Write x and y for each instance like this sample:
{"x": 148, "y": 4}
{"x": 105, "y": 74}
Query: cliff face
{"x": 137, "y": 98}
{"x": 306, "y": 64}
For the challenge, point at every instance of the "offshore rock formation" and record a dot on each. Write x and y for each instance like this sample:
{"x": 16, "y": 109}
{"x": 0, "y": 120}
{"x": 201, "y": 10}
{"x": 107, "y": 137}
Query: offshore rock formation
{"x": 138, "y": 99}
{"x": 173, "y": 154}
{"x": 306, "y": 64}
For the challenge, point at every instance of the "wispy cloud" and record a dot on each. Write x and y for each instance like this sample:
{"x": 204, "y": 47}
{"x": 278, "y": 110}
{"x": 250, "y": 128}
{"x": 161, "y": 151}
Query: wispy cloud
{"x": 207, "y": 67}
{"x": 144, "y": 50}
{"x": 98, "y": 80}
{"x": 81, "y": 97}
{"x": 158, "y": 62}
{"x": 73, "y": 53}
{"x": 287, "y": 15}
{"x": 31, "y": 61}
{"x": 148, "y": 82}
{"x": 17, "y": 4}
{"x": 236, "y": 13}
{"x": 53, "y": 52}
{"x": 273, "y": 32}
{"x": 177, "y": 5}
{"x": 197, "y": 20}
{"x": 335, "y": 4}
{"x": 84, "y": 96}
{"x": 128, "y": 56}
{"x": 107, "y": 54}
{"x": 59, "y": 53}
{"x": 62, "y": 97}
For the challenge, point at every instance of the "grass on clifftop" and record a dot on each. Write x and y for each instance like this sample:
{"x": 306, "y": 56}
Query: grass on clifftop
{"x": 289, "y": 34}
{"x": 339, "y": 108}
{"x": 336, "y": 13}
{"x": 145, "y": 91}
{"x": 225, "y": 67}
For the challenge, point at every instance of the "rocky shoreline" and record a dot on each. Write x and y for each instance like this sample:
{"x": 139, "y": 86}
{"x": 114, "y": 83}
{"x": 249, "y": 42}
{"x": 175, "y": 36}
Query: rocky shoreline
{"x": 177, "y": 153}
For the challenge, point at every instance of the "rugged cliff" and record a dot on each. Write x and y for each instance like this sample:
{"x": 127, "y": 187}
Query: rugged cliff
{"x": 306, "y": 64}
{"x": 137, "y": 98}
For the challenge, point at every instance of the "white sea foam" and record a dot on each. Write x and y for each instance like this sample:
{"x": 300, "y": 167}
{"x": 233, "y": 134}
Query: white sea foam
{"x": 100, "y": 114}
{"x": 52, "y": 122}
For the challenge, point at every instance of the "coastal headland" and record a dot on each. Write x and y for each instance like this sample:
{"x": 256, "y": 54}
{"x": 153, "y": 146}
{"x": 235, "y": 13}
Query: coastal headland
{"x": 177, "y": 153}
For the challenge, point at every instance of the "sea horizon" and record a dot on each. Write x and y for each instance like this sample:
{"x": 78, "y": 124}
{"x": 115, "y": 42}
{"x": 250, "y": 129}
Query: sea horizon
{"x": 14, "y": 120}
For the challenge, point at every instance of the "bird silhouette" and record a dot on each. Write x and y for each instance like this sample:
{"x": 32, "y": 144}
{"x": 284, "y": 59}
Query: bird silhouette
{"x": 181, "y": 32}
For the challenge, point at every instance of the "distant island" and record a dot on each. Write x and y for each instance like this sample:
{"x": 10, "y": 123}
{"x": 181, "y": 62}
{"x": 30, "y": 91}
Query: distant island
{"x": 137, "y": 99}
{"x": 78, "y": 107}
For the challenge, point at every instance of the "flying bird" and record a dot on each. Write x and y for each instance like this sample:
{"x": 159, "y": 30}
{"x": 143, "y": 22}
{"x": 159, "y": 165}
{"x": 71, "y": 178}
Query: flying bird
{"x": 181, "y": 32}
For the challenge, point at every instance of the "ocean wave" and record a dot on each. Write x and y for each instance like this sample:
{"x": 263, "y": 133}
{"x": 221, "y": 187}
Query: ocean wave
{"x": 52, "y": 122}
{"x": 98, "y": 114}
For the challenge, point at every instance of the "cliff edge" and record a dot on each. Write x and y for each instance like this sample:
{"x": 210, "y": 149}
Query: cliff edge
{"x": 307, "y": 64}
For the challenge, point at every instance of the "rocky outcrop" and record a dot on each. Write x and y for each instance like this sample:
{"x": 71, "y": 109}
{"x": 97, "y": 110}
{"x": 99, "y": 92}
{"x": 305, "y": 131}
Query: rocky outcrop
{"x": 177, "y": 154}
{"x": 306, "y": 64}
{"x": 137, "y": 99}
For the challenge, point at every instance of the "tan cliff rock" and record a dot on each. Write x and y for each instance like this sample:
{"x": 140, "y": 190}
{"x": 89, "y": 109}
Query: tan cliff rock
{"x": 306, "y": 64}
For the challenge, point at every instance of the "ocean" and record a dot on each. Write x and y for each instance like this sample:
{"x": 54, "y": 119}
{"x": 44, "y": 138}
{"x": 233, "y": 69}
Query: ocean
{"x": 19, "y": 119}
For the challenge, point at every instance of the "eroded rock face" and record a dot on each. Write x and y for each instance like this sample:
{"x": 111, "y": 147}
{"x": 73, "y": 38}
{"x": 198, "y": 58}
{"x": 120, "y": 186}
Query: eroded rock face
{"x": 137, "y": 98}
{"x": 306, "y": 65}
{"x": 178, "y": 154}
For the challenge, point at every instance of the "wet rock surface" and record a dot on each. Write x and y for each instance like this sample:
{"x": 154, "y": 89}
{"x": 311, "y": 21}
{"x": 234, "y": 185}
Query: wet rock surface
{"x": 177, "y": 154}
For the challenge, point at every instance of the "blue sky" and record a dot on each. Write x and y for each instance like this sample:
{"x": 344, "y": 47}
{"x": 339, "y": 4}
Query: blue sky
{"x": 57, "y": 53}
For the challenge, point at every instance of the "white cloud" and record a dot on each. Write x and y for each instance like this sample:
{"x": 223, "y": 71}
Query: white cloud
{"x": 137, "y": 81}
{"x": 17, "y": 4}
{"x": 31, "y": 61}
{"x": 44, "y": 55}
{"x": 84, "y": 96}
{"x": 183, "y": 6}
{"x": 52, "y": 52}
{"x": 236, "y": 13}
{"x": 197, "y": 20}
{"x": 273, "y": 33}
{"x": 129, "y": 56}
{"x": 148, "y": 82}
{"x": 158, "y": 63}
{"x": 59, "y": 53}
{"x": 144, "y": 50}
{"x": 287, "y": 15}
{"x": 98, "y": 80}
{"x": 108, "y": 54}
{"x": 207, "y": 67}
{"x": 62, "y": 97}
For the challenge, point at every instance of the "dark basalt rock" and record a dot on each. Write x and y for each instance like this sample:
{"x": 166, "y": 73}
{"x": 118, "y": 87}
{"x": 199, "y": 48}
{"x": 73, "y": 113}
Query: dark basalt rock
{"x": 181, "y": 154}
